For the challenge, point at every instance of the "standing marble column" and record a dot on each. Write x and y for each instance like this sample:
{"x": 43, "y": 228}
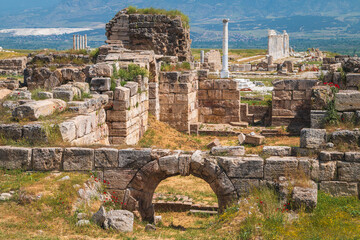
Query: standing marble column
{"x": 78, "y": 42}
{"x": 74, "y": 44}
{"x": 225, "y": 64}
{"x": 85, "y": 41}
{"x": 202, "y": 56}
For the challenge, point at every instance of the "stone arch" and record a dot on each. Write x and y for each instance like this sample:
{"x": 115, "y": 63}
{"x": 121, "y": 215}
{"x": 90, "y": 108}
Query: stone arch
{"x": 140, "y": 190}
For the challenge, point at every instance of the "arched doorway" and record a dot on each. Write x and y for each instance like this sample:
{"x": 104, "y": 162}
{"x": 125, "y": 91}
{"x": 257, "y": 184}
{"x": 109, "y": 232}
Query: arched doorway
{"x": 140, "y": 190}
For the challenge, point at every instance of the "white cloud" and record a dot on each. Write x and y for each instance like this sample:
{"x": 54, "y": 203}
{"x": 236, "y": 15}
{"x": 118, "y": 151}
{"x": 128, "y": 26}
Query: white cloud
{"x": 42, "y": 31}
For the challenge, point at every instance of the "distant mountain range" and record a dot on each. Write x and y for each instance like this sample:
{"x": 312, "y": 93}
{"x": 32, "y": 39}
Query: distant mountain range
{"x": 334, "y": 21}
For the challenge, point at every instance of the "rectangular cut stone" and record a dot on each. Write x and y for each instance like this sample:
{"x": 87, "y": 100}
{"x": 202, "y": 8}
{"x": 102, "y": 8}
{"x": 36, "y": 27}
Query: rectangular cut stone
{"x": 100, "y": 84}
{"x": 353, "y": 79}
{"x": 277, "y": 166}
{"x": 133, "y": 86}
{"x": 245, "y": 186}
{"x": 122, "y": 94}
{"x": 255, "y": 140}
{"x": 347, "y": 100}
{"x": 352, "y": 157}
{"x": 331, "y": 156}
{"x": 349, "y": 171}
{"x": 337, "y": 188}
{"x": 106, "y": 157}
{"x": 277, "y": 150}
{"x": 15, "y": 158}
{"x": 130, "y": 158}
{"x": 327, "y": 171}
{"x": 228, "y": 151}
{"x": 78, "y": 159}
{"x": 47, "y": 159}
{"x": 36, "y": 109}
{"x": 184, "y": 165}
{"x": 170, "y": 164}
{"x": 312, "y": 138}
{"x": 120, "y": 178}
{"x": 242, "y": 167}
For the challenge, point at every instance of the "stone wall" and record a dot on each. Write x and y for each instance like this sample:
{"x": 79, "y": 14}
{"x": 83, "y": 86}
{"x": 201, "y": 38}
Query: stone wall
{"x": 160, "y": 33}
{"x": 134, "y": 174}
{"x": 291, "y": 103}
{"x": 178, "y": 102}
{"x": 13, "y": 66}
{"x": 278, "y": 45}
{"x": 212, "y": 60}
{"x": 128, "y": 116}
{"x": 219, "y": 101}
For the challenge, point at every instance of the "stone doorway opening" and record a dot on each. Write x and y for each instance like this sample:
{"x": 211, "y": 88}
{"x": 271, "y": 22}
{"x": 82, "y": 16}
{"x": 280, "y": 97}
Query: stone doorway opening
{"x": 184, "y": 202}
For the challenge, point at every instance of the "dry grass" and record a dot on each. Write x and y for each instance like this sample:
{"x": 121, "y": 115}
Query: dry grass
{"x": 190, "y": 186}
{"x": 161, "y": 135}
{"x": 7, "y": 55}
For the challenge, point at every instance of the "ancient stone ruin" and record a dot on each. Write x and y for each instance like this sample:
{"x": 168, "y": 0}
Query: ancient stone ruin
{"x": 146, "y": 68}
{"x": 159, "y": 33}
{"x": 278, "y": 45}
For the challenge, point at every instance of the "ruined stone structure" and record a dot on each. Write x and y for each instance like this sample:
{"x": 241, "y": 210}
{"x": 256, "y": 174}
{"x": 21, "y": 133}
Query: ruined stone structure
{"x": 164, "y": 35}
{"x": 13, "y": 66}
{"x": 278, "y": 45}
{"x": 219, "y": 101}
{"x": 291, "y": 104}
{"x": 212, "y": 61}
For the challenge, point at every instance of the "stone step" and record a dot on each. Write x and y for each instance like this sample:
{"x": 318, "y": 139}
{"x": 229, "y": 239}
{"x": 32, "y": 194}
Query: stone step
{"x": 239, "y": 124}
{"x": 203, "y": 212}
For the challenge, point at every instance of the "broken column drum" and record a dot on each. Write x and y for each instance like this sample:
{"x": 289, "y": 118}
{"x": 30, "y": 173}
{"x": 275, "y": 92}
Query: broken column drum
{"x": 225, "y": 68}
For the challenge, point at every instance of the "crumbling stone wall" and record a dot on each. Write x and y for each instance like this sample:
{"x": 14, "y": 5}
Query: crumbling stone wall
{"x": 291, "y": 103}
{"x": 212, "y": 60}
{"x": 219, "y": 101}
{"x": 14, "y": 66}
{"x": 128, "y": 117}
{"x": 160, "y": 33}
{"x": 134, "y": 174}
{"x": 178, "y": 102}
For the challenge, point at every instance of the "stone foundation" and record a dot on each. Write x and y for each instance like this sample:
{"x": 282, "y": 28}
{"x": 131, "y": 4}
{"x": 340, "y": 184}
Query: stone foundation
{"x": 13, "y": 66}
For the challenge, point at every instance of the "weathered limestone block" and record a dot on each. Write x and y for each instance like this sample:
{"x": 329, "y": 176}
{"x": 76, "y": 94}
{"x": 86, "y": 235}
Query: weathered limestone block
{"x": 312, "y": 138}
{"x": 122, "y": 94}
{"x": 197, "y": 162}
{"x": 352, "y": 156}
{"x": 345, "y": 136}
{"x": 45, "y": 95}
{"x": 133, "y": 86}
{"x": 306, "y": 197}
{"x": 47, "y": 159}
{"x": 170, "y": 164}
{"x": 228, "y": 151}
{"x": 349, "y": 171}
{"x": 320, "y": 96}
{"x": 317, "y": 118}
{"x": 245, "y": 186}
{"x": 120, "y": 220}
{"x": 15, "y": 158}
{"x": 100, "y": 84}
{"x": 34, "y": 133}
{"x": 327, "y": 171}
{"x": 244, "y": 167}
{"x": 277, "y": 166}
{"x": 222, "y": 185}
{"x": 66, "y": 92}
{"x": 338, "y": 188}
{"x": 347, "y": 100}
{"x": 68, "y": 131}
{"x": 184, "y": 164}
{"x": 331, "y": 156}
{"x": 78, "y": 159}
{"x": 210, "y": 170}
{"x": 21, "y": 94}
{"x": 99, "y": 70}
{"x": 255, "y": 140}
{"x": 11, "y": 131}
{"x": 130, "y": 158}
{"x": 119, "y": 178}
{"x": 33, "y": 110}
{"x": 353, "y": 80}
{"x": 4, "y": 93}
{"x": 277, "y": 150}
{"x": 106, "y": 157}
